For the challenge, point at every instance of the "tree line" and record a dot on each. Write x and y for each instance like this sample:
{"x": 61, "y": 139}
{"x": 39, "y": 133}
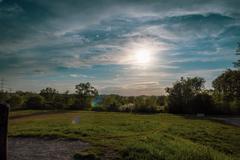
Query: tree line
{"x": 86, "y": 97}
{"x": 186, "y": 96}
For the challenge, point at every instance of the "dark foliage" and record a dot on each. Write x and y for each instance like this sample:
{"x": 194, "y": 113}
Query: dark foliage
{"x": 184, "y": 93}
{"x": 35, "y": 102}
{"x": 49, "y": 94}
{"x": 227, "y": 85}
{"x": 15, "y": 101}
{"x": 85, "y": 93}
{"x": 227, "y": 92}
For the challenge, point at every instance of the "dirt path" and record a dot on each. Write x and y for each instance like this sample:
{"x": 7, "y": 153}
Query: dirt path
{"x": 43, "y": 148}
{"x": 228, "y": 120}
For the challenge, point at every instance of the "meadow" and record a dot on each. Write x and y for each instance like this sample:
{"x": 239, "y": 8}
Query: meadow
{"x": 133, "y": 136}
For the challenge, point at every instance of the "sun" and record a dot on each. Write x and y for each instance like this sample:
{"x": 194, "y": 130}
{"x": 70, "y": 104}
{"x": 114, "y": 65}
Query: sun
{"x": 142, "y": 56}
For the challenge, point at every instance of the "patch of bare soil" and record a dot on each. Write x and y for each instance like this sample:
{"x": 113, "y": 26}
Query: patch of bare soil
{"x": 43, "y": 148}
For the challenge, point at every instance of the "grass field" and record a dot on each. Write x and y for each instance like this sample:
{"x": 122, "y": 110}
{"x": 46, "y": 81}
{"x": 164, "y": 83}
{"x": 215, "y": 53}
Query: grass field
{"x": 134, "y": 136}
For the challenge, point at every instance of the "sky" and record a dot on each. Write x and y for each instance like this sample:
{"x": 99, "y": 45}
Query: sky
{"x": 126, "y": 47}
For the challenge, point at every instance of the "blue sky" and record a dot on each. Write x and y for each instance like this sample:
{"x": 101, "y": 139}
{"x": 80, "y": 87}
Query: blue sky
{"x": 61, "y": 43}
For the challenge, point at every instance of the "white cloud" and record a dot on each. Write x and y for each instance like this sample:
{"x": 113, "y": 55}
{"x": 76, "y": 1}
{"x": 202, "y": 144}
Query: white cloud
{"x": 80, "y": 76}
{"x": 74, "y": 75}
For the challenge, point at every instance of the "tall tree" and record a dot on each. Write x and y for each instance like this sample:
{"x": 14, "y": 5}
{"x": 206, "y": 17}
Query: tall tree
{"x": 49, "y": 94}
{"x": 86, "y": 90}
{"x": 228, "y": 85}
{"x": 85, "y": 93}
{"x": 183, "y": 92}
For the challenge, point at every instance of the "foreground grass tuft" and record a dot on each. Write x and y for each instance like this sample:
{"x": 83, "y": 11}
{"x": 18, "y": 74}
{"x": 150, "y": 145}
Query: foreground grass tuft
{"x": 162, "y": 148}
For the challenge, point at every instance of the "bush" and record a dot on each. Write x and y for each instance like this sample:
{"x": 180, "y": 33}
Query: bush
{"x": 113, "y": 107}
{"x": 226, "y": 107}
{"x": 4, "y": 96}
{"x": 82, "y": 103}
{"x": 145, "y": 109}
{"x": 111, "y": 102}
{"x": 145, "y": 105}
{"x": 98, "y": 108}
{"x": 35, "y": 102}
{"x": 54, "y": 105}
{"x": 235, "y": 106}
{"x": 201, "y": 103}
{"x": 127, "y": 107}
{"x": 15, "y": 101}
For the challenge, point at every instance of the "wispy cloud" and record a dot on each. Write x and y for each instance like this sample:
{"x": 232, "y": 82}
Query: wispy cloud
{"x": 61, "y": 42}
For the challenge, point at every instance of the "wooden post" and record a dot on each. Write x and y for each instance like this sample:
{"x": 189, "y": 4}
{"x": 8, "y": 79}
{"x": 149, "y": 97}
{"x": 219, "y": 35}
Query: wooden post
{"x": 4, "y": 111}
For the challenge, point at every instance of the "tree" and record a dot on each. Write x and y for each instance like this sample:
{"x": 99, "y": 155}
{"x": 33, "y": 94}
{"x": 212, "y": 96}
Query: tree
{"x": 68, "y": 99}
{"x": 35, "y": 102}
{"x": 111, "y": 102}
{"x": 49, "y": 94}
{"x": 85, "y": 94}
{"x": 15, "y": 101}
{"x": 237, "y": 63}
{"x": 227, "y": 92}
{"x": 161, "y": 101}
{"x": 202, "y": 103}
{"x": 4, "y": 96}
{"x": 227, "y": 85}
{"x": 63, "y": 101}
{"x": 86, "y": 90}
{"x": 182, "y": 93}
{"x": 145, "y": 104}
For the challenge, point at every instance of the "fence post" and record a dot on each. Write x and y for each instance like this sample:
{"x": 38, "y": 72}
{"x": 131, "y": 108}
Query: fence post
{"x": 4, "y": 111}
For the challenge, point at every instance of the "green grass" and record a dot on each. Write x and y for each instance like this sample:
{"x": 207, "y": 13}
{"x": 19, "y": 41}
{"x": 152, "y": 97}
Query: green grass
{"x": 135, "y": 136}
{"x": 24, "y": 113}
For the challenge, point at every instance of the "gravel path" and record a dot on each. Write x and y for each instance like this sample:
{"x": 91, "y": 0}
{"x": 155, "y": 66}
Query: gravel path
{"x": 43, "y": 148}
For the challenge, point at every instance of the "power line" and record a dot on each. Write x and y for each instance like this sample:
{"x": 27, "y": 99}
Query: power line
{"x": 2, "y": 84}
{"x": 4, "y": 87}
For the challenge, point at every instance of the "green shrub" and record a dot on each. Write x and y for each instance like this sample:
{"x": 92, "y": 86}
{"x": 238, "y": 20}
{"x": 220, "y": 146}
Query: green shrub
{"x": 98, "y": 108}
{"x": 113, "y": 107}
{"x": 201, "y": 103}
{"x": 127, "y": 107}
{"x": 4, "y": 96}
{"x": 15, "y": 101}
{"x": 35, "y": 102}
{"x": 235, "y": 106}
{"x": 145, "y": 105}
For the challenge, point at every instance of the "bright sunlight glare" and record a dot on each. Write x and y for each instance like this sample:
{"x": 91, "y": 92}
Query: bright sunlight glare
{"x": 142, "y": 56}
